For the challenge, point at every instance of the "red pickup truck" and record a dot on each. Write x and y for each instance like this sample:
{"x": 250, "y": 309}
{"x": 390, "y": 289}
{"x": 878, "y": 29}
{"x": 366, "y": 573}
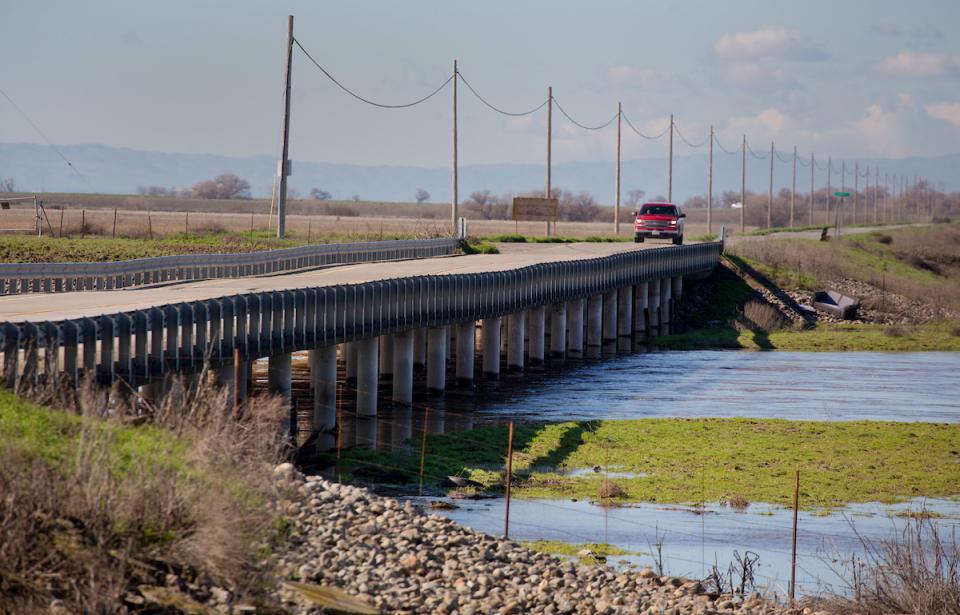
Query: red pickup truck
{"x": 658, "y": 220}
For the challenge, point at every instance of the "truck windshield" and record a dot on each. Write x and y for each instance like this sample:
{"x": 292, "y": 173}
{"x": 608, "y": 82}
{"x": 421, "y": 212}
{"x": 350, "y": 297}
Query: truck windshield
{"x": 658, "y": 210}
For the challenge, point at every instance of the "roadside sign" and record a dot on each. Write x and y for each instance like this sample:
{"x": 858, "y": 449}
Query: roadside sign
{"x": 535, "y": 209}
{"x": 842, "y": 194}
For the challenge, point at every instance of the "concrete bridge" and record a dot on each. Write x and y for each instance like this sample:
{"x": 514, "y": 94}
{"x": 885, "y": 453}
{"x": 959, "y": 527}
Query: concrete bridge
{"x": 377, "y": 319}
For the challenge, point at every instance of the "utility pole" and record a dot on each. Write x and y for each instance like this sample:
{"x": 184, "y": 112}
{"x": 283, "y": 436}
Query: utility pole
{"x": 829, "y": 188}
{"x": 743, "y": 180}
{"x": 813, "y": 168}
{"x": 549, "y": 142}
{"x": 670, "y": 165}
{"x": 793, "y": 190}
{"x": 616, "y": 196}
{"x": 876, "y": 183}
{"x": 886, "y": 203}
{"x": 770, "y": 189}
{"x": 710, "y": 184}
{"x": 283, "y": 168}
{"x": 856, "y": 190}
{"x": 454, "y": 201}
{"x": 843, "y": 188}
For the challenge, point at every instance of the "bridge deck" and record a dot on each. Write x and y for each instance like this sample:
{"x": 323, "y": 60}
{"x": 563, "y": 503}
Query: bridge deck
{"x": 56, "y": 307}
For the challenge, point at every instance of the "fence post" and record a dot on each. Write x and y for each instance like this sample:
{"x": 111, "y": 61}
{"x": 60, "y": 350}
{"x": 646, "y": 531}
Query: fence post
{"x": 506, "y": 515}
{"x": 793, "y": 555}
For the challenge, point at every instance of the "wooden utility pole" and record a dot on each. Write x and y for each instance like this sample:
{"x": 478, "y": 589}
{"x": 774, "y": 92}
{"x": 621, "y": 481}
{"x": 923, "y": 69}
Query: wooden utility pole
{"x": 423, "y": 445}
{"x": 283, "y": 167}
{"x": 876, "y": 194}
{"x": 885, "y": 195}
{"x": 743, "y": 179}
{"x": 710, "y": 184}
{"x": 114, "y": 234}
{"x": 770, "y": 189}
{"x": 856, "y": 190}
{"x": 549, "y": 143}
{"x": 670, "y": 165}
{"x": 793, "y": 554}
{"x": 616, "y": 195}
{"x": 843, "y": 188}
{"x": 506, "y": 513}
{"x": 813, "y": 168}
{"x": 793, "y": 189}
{"x": 829, "y": 188}
{"x": 455, "y": 187}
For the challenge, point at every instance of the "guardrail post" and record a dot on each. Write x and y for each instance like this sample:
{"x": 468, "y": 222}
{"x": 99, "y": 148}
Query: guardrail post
{"x": 51, "y": 351}
{"x": 70, "y": 342}
{"x": 88, "y": 329}
{"x": 31, "y": 344}
{"x": 106, "y": 371}
{"x": 171, "y": 317}
{"x": 11, "y": 355}
{"x": 124, "y": 326}
{"x": 141, "y": 358}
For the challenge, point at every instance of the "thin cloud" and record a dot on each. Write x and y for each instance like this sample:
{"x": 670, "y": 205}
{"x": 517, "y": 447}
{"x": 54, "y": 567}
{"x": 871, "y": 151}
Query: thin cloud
{"x": 631, "y": 75}
{"x": 767, "y": 42}
{"x": 948, "y": 112}
{"x": 911, "y": 64}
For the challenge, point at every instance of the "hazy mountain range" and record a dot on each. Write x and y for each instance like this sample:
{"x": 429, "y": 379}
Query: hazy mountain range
{"x": 37, "y": 168}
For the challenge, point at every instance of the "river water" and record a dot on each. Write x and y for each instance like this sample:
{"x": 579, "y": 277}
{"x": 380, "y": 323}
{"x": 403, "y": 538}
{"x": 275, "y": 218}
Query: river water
{"x": 830, "y": 386}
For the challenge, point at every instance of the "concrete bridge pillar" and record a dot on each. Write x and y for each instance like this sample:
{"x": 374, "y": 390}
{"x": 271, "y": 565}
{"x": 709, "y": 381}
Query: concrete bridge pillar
{"x": 402, "y": 346}
{"x": 466, "y": 351}
{"x": 491, "y": 346}
{"x": 653, "y": 309}
{"x": 437, "y": 359}
{"x": 323, "y": 381}
{"x": 575, "y": 327}
{"x": 558, "y": 329}
{"x": 350, "y": 361}
{"x": 666, "y": 291}
{"x": 641, "y": 301}
{"x": 677, "y": 287}
{"x": 420, "y": 347}
{"x": 278, "y": 376}
{"x": 535, "y": 344}
{"x": 610, "y": 321}
{"x": 386, "y": 356}
{"x": 625, "y": 319}
{"x": 594, "y": 325}
{"x": 516, "y": 333}
{"x": 368, "y": 375}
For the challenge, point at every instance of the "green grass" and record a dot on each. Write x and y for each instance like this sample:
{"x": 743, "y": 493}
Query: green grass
{"x": 51, "y": 436}
{"x": 715, "y": 459}
{"x": 23, "y": 249}
{"x": 475, "y": 245}
{"x": 567, "y": 550}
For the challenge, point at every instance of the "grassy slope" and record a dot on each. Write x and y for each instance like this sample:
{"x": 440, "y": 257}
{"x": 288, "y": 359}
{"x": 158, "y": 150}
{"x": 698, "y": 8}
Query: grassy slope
{"x": 840, "y": 462}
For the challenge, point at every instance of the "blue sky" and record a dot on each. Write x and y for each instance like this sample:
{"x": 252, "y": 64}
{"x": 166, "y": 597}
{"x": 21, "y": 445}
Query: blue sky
{"x": 847, "y": 79}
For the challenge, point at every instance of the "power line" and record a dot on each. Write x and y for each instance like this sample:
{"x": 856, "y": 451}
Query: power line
{"x": 722, "y": 148}
{"x": 634, "y": 129}
{"x": 755, "y": 154}
{"x": 45, "y": 138}
{"x": 494, "y": 107}
{"x": 585, "y": 127}
{"x": 367, "y": 100}
{"x": 682, "y": 138}
{"x": 780, "y": 158}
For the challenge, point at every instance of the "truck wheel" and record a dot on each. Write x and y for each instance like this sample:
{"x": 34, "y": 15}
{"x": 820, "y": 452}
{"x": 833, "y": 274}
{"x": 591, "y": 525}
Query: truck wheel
{"x": 638, "y": 239}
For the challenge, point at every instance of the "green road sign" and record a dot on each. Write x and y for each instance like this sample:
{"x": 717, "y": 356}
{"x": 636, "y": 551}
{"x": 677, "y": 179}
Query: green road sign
{"x": 841, "y": 194}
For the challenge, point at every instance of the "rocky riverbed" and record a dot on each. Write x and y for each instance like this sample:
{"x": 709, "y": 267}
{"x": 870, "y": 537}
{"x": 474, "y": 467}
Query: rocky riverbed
{"x": 398, "y": 559}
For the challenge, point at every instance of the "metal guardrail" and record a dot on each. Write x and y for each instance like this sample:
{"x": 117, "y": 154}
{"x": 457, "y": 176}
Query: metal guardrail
{"x": 18, "y": 278}
{"x": 141, "y": 346}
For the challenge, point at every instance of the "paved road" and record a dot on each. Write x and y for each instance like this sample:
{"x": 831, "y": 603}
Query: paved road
{"x": 54, "y": 307}
{"x": 815, "y": 234}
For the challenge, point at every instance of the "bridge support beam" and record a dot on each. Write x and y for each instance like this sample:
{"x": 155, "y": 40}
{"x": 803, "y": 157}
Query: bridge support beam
{"x": 515, "y": 337}
{"x": 402, "y": 346}
{"x": 437, "y": 359}
{"x": 575, "y": 327}
{"x": 386, "y": 356}
{"x": 368, "y": 375}
{"x": 558, "y": 329}
{"x": 323, "y": 381}
{"x": 641, "y": 300}
{"x": 466, "y": 352}
{"x": 610, "y": 321}
{"x": 491, "y": 346}
{"x": 350, "y": 361}
{"x": 625, "y": 319}
{"x": 653, "y": 309}
{"x": 594, "y": 325}
{"x": 536, "y": 318}
{"x": 666, "y": 292}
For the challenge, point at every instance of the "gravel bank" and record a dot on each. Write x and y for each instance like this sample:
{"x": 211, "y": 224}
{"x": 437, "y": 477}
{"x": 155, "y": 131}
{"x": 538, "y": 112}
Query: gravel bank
{"x": 400, "y": 560}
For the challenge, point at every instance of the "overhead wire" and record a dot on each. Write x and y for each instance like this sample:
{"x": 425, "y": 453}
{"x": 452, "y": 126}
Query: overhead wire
{"x": 47, "y": 139}
{"x": 755, "y": 154}
{"x": 494, "y": 107}
{"x": 722, "y": 148}
{"x": 676, "y": 129}
{"x": 640, "y": 133}
{"x": 367, "y": 100}
{"x": 584, "y": 126}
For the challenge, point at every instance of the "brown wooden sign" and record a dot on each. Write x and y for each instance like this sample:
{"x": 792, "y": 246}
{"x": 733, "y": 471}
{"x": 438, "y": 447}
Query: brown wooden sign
{"x": 535, "y": 209}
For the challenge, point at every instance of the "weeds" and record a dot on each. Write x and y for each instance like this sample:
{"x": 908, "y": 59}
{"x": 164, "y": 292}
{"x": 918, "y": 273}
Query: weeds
{"x": 762, "y": 316}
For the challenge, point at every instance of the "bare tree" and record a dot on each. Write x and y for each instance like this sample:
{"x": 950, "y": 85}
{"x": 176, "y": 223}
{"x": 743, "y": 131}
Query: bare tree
{"x": 488, "y": 206}
{"x": 320, "y": 195}
{"x": 292, "y": 193}
{"x": 635, "y": 196}
{"x": 695, "y": 202}
{"x": 580, "y": 208}
{"x": 226, "y": 186}
{"x": 155, "y": 191}
{"x": 421, "y": 195}
{"x": 8, "y": 185}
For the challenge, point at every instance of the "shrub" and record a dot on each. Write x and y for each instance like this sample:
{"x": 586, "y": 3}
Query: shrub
{"x": 610, "y": 489}
{"x": 762, "y": 316}
{"x": 738, "y": 502}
